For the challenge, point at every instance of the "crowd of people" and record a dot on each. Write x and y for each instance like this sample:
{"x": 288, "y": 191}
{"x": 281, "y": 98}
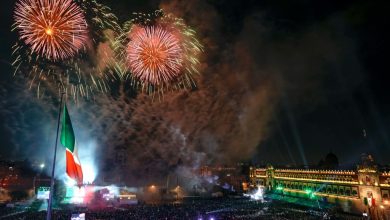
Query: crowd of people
{"x": 4, "y": 210}
{"x": 201, "y": 209}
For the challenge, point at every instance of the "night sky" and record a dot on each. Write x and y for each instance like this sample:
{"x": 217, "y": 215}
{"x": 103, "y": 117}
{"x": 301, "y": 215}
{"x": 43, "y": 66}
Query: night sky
{"x": 284, "y": 82}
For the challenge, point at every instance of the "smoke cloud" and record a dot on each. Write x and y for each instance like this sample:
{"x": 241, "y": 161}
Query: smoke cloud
{"x": 244, "y": 74}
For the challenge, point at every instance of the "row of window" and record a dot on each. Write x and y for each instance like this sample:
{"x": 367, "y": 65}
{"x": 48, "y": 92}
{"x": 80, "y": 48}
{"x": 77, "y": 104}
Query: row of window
{"x": 321, "y": 188}
{"x": 318, "y": 177}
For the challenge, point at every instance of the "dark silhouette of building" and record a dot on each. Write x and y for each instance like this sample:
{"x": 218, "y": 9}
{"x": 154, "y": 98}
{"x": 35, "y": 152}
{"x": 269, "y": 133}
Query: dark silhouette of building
{"x": 330, "y": 162}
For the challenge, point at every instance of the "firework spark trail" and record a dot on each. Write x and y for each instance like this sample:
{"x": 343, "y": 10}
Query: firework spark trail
{"x": 226, "y": 119}
{"x": 154, "y": 54}
{"x": 159, "y": 53}
{"x": 67, "y": 46}
{"x": 53, "y": 29}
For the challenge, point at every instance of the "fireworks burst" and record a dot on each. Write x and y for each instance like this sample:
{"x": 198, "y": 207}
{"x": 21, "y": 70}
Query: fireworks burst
{"x": 161, "y": 52}
{"x": 54, "y": 29}
{"x": 65, "y": 46}
{"x": 154, "y": 54}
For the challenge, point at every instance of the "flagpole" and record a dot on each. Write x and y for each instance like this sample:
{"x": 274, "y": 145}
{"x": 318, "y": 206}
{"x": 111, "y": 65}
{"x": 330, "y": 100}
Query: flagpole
{"x": 49, "y": 205}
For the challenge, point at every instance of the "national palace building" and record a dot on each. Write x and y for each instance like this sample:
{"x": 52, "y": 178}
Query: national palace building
{"x": 354, "y": 190}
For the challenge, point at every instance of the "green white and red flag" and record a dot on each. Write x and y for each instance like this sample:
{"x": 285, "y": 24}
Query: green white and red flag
{"x": 73, "y": 165}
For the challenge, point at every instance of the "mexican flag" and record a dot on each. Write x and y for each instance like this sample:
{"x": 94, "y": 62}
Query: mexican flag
{"x": 73, "y": 166}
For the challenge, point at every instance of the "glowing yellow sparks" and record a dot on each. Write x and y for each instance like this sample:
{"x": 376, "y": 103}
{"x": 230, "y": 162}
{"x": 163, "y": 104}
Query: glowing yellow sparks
{"x": 161, "y": 52}
{"x": 49, "y": 31}
{"x": 63, "y": 46}
{"x": 56, "y": 29}
{"x": 154, "y": 54}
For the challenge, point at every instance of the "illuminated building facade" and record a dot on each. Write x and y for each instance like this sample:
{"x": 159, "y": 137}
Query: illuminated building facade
{"x": 354, "y": 190}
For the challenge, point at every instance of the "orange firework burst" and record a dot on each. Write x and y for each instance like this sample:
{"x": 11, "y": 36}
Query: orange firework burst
{"x": 55, "y": 29}
{"x": 159, "y": 53}
{"x": 154, "y": 54}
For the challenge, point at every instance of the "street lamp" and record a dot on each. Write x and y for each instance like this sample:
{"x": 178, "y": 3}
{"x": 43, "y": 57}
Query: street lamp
{"x": 152, "y": 188}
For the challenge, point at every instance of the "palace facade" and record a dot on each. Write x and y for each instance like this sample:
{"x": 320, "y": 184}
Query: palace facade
{"x": 354, "y": 190}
